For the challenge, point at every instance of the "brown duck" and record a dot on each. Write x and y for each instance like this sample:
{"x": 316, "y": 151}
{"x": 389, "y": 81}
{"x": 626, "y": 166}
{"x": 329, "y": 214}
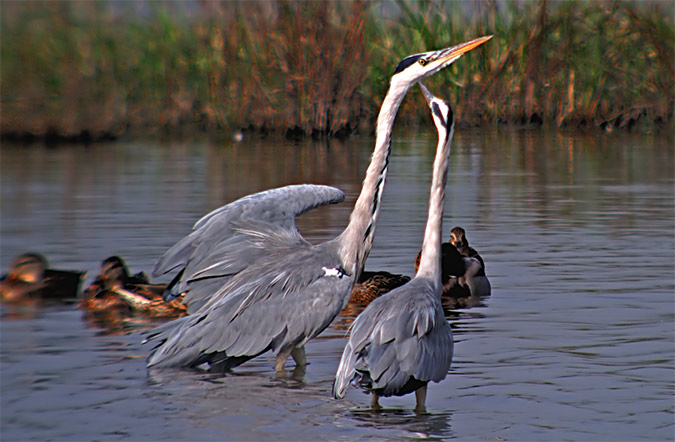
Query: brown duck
{"x": 372, "y": 285}
{"x": 30, "y": 278}
{"x": 115, "y": 289}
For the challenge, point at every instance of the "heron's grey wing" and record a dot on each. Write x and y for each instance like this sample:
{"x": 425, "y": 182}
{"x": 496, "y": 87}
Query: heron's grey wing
{"x": 232, "y": 237}
{"x": 280, "y": 302}
{"x": 345, "y": 372}
{"x": 401, "y": 334}
{"x": 370, "y": 327}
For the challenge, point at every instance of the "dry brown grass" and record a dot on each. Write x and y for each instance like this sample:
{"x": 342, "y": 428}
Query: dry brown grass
{"x": 88, "y": 69}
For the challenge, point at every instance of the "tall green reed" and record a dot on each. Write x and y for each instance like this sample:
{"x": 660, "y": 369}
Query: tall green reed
{"x": 322, "y": 68}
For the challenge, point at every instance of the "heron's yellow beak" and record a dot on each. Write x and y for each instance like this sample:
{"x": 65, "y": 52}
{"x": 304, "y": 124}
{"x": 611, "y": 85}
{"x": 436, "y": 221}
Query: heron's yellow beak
{"x": 455, "y": 52}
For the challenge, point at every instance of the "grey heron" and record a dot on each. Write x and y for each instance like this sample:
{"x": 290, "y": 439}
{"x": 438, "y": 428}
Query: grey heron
{"x": 402, "y": 340}
{"x": 253, "y": 283}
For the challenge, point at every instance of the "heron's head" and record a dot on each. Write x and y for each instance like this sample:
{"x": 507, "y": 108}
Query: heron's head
{"x": 418, "y": 66}
{"x": 441, "y": 111}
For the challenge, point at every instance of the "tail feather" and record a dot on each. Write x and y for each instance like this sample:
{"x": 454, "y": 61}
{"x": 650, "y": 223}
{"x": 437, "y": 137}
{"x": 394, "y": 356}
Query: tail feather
{"x": 345, "y": 373}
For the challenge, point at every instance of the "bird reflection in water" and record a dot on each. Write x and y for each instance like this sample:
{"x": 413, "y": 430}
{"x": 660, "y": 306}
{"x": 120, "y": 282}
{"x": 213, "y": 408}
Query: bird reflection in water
{"x": 417, "y": 425}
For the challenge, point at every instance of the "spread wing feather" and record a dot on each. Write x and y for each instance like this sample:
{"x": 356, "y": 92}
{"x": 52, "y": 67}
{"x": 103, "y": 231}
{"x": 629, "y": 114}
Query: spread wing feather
{"x": 233, "y": 237}
{"x": 257, "y": 310}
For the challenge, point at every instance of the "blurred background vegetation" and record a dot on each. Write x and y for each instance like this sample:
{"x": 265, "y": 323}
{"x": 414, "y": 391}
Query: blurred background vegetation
{"x": 97, "y": 69}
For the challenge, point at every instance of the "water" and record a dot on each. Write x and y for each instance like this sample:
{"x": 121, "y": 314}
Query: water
{"x": 575, "y": 343}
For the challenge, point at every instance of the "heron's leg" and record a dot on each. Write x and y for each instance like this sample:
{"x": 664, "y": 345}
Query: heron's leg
{"x": 298, "y": 354}
{"x": 281, "y": 359}
{"x": 375, "y": 401}
{"x": 299, "y": 373}
{"x": 421, "y": 397}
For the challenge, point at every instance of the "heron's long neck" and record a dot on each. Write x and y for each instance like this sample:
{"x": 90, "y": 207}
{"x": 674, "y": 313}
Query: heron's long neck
{"x": 430, "y": 261}
{"x": 357, "y": 239}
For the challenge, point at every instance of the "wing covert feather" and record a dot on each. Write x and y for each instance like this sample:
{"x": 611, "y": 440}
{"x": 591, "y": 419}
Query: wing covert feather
{"x": 232, "y": 237}
{"x": 256, "y": 311}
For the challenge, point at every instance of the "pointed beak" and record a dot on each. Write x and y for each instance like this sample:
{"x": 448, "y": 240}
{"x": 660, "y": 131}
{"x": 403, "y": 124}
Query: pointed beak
{"x": 446, "y": 56}
{"x": 427, "y": 94}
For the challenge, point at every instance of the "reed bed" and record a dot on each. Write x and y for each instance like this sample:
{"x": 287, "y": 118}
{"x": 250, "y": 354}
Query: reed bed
{"x": 92, "y": 70}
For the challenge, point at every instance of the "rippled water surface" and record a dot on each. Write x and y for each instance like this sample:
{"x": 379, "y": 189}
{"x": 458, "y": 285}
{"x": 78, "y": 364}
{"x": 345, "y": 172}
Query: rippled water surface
{"x": 575, "y": 343}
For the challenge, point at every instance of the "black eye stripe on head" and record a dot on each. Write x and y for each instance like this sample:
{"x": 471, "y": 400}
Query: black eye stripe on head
{"x": 407, "y": 62}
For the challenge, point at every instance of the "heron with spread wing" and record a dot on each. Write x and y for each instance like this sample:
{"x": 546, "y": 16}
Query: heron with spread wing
{"x": 253, "y": 283}
{"x": 402, "y": 340}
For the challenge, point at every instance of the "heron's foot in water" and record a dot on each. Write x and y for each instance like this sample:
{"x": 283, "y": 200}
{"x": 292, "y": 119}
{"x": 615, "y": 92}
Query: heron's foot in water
{"x": 299, "y": 357}
{"x": 298, "y": 374}
{"x": 421, "y": 398}
{"x": 298, "y": 354}
{"x": 281, "y": 361}
{"x": 375, "y": 402}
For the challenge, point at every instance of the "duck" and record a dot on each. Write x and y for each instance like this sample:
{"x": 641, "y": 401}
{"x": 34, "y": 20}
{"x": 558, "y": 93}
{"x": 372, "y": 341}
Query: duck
{"x": 463, "y": 272}
{"x": 461, "y": 242}
{"x": 30, "y": 278}
{"x": 475, "y": 276}
{"x": 116, "y": 289}
{"x": 455, "y": 275}
{"x": 372, "y": 285}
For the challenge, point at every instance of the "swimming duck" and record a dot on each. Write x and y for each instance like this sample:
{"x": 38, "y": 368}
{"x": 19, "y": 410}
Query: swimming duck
{"x": 463, "y": 273}
{"x": 371, "y": 285}
{"x": 475, "y": 277}
{"x": 30, "y": 277}
{"x": 461, "y": 242}
{"x": 456, "y": 272}
{"x": 116, "y": 289}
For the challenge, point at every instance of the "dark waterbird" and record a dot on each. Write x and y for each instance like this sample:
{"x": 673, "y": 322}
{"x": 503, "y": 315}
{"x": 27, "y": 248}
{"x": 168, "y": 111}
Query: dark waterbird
{"x": 116, "y": 291}
{"x": 462, "y": 272}
{"x": 30, "y": 278}
{"x": 402, "y": 340}
{"x": 459, "y": 239}
{"x": 253, "y": 283}
{"x": 372, "y": 285}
